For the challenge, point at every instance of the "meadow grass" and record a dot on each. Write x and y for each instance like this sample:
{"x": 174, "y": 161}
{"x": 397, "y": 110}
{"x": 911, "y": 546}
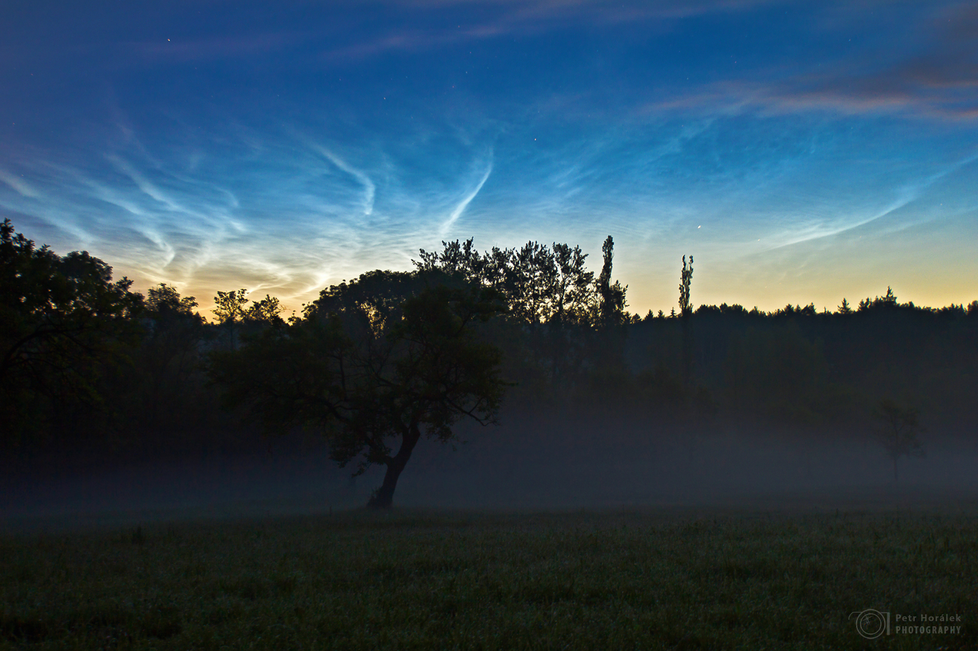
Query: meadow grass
{"x": 421, "y": 580}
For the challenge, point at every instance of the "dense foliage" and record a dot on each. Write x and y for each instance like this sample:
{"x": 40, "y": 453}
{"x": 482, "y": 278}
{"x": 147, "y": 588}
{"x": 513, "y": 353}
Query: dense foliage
{"x": 88, "y": 364}
{"x": 63, "y": 326}
{"x": 390, "y": 355}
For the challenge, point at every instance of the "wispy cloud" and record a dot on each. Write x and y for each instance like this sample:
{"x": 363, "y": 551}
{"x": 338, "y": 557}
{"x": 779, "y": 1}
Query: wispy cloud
{"x": 266, "y": 171}
{"x": 879, "y": 95}
{"x": 905, "y": 195}
{"x": 598, "y": 9}
{"x": 19, "y": 184}
{"x": 462, "y": 205}
{"x": 144, "y": 184}
{"x": 369, "y": 189}
{"x": 940, "y": 80}
{"x": 521, "y": 18}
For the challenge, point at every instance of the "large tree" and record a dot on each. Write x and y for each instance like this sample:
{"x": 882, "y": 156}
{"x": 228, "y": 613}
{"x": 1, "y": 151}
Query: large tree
{"x": 686, "y": 311}
{"x": 376, "y": 362}
{"x": 62, "y": 321}
{"x": 168, "y": 378}
{"x": 541, "y": 284}
{"x": 553, "y": 302}
{"x": 611, "y": 306}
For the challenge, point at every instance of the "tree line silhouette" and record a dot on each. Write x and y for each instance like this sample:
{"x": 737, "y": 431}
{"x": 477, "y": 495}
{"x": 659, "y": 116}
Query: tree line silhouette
{"x": 380, "y": 362}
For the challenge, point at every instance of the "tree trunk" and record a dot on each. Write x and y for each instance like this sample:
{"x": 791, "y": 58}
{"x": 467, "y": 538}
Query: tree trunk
{"x": 896, "y": 477}
{"x": 384, "y": 497}
{"x": 687, "y": 350}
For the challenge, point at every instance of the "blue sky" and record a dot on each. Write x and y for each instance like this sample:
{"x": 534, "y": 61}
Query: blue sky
{"x": 802, "y": 152}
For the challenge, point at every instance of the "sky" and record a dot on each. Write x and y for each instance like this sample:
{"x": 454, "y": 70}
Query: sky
{"x": 801, "y": 151}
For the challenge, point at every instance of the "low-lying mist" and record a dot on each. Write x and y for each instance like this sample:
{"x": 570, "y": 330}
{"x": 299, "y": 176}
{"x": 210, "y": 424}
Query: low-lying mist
{"x": 528, "y": 462}
{"x": 720, "y": 466}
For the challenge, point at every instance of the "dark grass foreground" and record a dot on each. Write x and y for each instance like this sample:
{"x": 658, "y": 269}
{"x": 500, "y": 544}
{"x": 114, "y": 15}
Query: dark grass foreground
{"x": 664, "y": 580}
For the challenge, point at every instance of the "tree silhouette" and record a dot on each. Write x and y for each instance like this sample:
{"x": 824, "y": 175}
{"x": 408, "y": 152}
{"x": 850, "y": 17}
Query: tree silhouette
{"x": 685, "y": 281}
{"x": 541, "y": 284}
{"x": 890, "y": 300}
{"x": 552, "y": 302}
{"x": 168, "y": 357}
{"x": 60, "y": 317}
{"x": 897, "y": 431}
{"x": 164, "y": 302}
{"x": 611, "y": 308}
{"x": 267, "y": 311}
{"x": 686, "y": 311}
{"x": 389, "y": 356}
{"x": 229, "y": 309}
{"x": 229, "y": 306}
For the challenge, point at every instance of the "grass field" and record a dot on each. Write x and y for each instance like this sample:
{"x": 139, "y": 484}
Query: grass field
{"x": 665, "y": 579}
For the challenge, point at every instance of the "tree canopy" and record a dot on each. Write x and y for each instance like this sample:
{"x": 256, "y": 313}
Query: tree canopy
{"x": 58, "y": 316}
{"x": 540, "y": 284}
{"x": 376, "y": 362}
{"x": 382, "y": 361}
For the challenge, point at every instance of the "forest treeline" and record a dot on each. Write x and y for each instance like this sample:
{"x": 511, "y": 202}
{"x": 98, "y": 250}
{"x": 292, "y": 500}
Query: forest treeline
{"x": 90, "y": 366}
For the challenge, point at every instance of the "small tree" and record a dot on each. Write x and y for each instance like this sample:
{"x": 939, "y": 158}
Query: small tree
{"x": 229, "y": 309}
{"x": 268, "y": 311}
{"x": 897, "y": 430}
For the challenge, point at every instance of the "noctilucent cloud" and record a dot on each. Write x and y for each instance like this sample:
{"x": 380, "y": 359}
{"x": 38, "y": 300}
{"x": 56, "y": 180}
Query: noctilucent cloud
{"x": 802, "y": 152}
